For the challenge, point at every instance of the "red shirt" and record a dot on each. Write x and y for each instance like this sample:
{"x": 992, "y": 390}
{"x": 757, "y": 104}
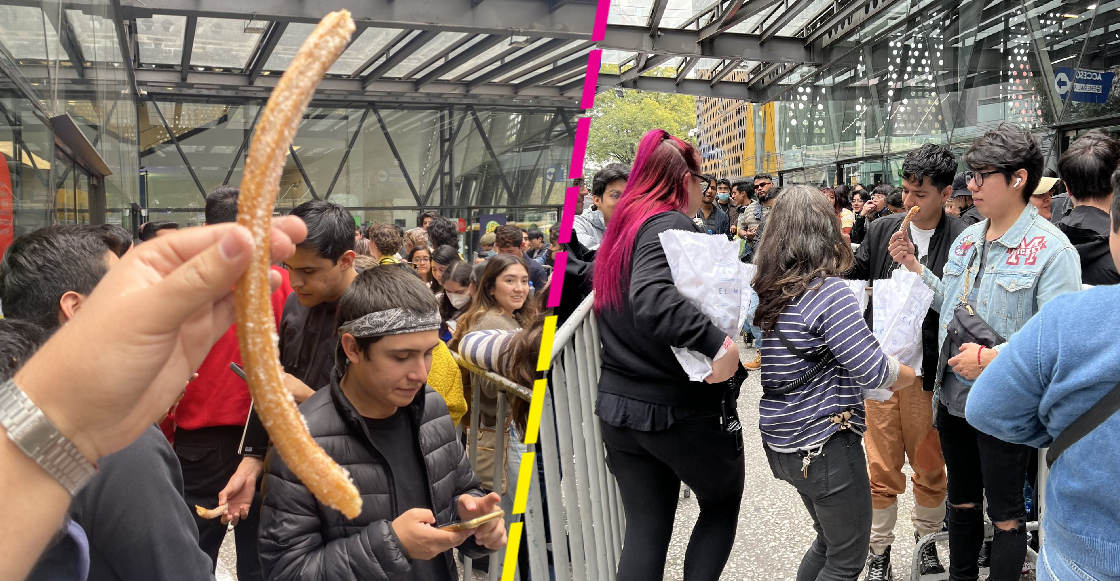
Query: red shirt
{"x": 219, "y": 397}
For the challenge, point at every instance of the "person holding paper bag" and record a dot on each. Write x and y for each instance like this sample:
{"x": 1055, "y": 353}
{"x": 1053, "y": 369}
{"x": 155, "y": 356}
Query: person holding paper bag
{"x": 818, "y": 356}
{"x": 1000, "y": 272}
{"x": 660, "y": 428}
{"x": 902, "y": 427}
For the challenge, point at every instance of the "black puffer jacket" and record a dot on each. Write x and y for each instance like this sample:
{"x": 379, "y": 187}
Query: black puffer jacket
{"x": 303, "y": 539}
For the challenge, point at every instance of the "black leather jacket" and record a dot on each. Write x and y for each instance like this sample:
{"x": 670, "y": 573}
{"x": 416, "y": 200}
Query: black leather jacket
{"x": 300, "y": 538}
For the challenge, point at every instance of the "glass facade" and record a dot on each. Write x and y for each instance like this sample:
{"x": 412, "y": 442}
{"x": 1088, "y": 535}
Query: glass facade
{"x": 942, "y": 73}
{"x": 64, "y": 59}
{"x": 383, "y": 162}
{"x": 161, "y": 152}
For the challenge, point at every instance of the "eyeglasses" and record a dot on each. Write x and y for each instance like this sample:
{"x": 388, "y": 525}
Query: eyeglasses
{"x": 763, "y": 185}
{"x": 420, "y": 259}
{"x": 704, "y": 185}
{"x": 978, "y": 176}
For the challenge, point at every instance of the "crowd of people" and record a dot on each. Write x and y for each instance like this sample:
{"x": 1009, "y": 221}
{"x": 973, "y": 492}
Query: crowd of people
{"x": 995, "y": 243}
{"x": 380, "y": 391}
{"x": 369, "y": 320}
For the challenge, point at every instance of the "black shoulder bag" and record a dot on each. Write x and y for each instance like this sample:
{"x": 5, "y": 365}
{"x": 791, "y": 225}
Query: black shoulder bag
{"x": 967, "y": 326}
{"x": 1085, "y": 423}
{"x": 821, "y": 358}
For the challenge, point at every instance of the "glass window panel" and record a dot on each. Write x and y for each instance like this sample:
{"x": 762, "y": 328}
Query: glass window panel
{"x": 630, "y": 12}
{"x": 540, "y": 63}
{"x": 160, "y": 39}
{"x": 289, "y": 43}
{"x": 370, "y": 41}
{"x": 481, "y": 58}
{"x": 429, "y": 50}
{"x": 97, "y": 35}
{"x": 222, "y": 43}
{"x": 677, "y": 12}
{"x": 21, "y": 31}
{"x": 752, "y": 25}
{"x": 810, "y": 12}
{"x": 704, "y": 69}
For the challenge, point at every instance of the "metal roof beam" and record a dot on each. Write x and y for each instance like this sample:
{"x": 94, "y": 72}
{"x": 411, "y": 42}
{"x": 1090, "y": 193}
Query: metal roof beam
{"x": 382, "y": 52}
{"x": 699, "y": 87}
{"x": 689, "y": 64}
{"x": 573, "y": 63}
{"x": 68, "y": 39}
{"x": 726, "y": 70}
{"x": 267, "y": 44}
{"x": 726, "y": 46}
{"x": 737, "y": 12}
{"x": 442, "y": 54}
{"x": 655, "y": 16}
{"x": 644, "y": 65}
{"x": 188, "y": 46}
{"x": 522, "y": 59}
{"x": 573, "y": 20}
{"x": 460, "y": 59}
{"x": 399, "y": 56}
{"x": 788, "y": 14}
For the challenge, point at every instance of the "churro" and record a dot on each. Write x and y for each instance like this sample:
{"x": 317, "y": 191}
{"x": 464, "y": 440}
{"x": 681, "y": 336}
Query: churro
{"x": 209, "y": 513}
{"x": 256, "y": 331}
{"x": 906, "y": 221}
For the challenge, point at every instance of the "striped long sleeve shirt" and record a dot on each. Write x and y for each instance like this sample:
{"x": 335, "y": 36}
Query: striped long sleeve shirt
{"x": 802, "y": 420}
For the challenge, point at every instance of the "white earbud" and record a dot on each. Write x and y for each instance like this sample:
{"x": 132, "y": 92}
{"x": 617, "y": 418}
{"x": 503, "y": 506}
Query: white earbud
{"x": 1018, "y": 181}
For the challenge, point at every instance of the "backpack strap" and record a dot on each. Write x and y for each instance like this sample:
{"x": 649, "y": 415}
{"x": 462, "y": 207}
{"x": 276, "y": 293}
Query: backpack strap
{"x": 1087, "y": 422}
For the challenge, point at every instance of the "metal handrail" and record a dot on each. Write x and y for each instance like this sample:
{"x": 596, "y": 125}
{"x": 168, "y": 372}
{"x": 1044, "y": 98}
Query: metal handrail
{"x": 568, "y": 329}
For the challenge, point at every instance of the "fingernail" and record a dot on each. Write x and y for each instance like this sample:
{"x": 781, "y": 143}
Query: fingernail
{"x": 230, "y": 247}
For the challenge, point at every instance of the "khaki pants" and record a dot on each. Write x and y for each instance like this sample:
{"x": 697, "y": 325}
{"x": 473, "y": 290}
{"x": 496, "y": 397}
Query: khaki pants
{"x": 898, "y": 429}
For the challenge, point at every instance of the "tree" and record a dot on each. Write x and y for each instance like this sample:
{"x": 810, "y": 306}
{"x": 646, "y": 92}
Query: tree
{"x": 619, "y": 122}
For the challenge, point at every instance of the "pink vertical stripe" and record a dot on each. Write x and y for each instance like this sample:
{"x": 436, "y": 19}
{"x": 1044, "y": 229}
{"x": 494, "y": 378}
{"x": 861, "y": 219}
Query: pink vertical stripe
{"x": 601, "y": 13}
{"x": 571, "y": 199}
{"x": 557, "y": 284}
{"x": 579, "y": 149}
{"x": 591, "y": 81}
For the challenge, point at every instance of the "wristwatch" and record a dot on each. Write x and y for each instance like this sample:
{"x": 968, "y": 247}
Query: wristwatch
{"x": 40, "y": 439}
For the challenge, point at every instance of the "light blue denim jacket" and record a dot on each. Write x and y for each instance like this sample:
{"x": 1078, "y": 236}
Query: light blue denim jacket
{"x": 1029, "y": 265}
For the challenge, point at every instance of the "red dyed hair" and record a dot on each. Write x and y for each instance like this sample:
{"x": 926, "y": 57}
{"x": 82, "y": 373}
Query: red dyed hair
{"x": 658, "y": 183}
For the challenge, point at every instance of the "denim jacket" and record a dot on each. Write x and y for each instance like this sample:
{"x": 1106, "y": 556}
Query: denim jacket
{"x": 1029, "y": 265}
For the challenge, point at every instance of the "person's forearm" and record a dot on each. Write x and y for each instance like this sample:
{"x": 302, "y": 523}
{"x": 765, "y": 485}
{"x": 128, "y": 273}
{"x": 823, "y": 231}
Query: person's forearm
{"x": 33, "y": 504}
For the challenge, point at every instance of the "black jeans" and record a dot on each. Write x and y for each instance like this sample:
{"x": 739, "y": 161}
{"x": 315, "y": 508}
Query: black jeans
{"x": 837, "y": 494}
{"x": 982, "y": 466}
{"x": 209, "y": 458}
{"x": 649, "y": 468}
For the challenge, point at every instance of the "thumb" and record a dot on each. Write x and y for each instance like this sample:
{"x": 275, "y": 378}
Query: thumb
{"x": 205, "y": 278}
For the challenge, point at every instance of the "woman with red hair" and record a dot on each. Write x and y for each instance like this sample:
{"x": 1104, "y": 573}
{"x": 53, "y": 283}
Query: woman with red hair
{"x": 659, "y": 427}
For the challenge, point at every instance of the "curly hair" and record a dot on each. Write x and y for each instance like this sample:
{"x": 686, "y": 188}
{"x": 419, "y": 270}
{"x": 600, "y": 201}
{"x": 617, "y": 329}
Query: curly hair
{"x": 385, "y": 239}
{"x": 803, "y": 245}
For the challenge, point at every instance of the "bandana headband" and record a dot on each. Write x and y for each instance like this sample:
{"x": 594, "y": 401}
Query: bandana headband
{"x": 391, "y": 322}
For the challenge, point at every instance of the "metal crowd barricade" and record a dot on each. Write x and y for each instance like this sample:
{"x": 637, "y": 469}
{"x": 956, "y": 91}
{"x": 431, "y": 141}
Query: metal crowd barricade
{"x": 538, "y": 558}
{"x": 576, "y": 512}
{"x": 584, "y": 505}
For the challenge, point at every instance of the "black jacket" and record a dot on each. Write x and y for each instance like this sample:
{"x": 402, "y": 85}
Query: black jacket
{"x": 303, "y": 539}
{"x": 577, "y": 278}
{"x": 971, "y": 216}
{"x": 874, "y": 262}
{"x": 637, "y": 359}
{"x": 135, "y": 519}
{"x": 1087, "y": 229}
{"x": 722, "y": 221}
{"x": 859, "y": 229}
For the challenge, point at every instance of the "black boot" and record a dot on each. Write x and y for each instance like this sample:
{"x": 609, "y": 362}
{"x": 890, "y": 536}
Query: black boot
{"x": 930, "y": 562}
{"x": 966, "y": 535}
{"x": 879, "y": 566}
{"x": 1009, "y": 550}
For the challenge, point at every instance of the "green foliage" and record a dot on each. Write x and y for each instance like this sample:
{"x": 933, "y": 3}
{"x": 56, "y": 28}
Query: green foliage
{"x": 618, "y": 123}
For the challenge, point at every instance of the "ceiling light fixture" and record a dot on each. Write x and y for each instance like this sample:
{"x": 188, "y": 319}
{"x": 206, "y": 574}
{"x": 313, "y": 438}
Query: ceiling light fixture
{"x": 256, "y": 26}
{"x": 520, "y": 40}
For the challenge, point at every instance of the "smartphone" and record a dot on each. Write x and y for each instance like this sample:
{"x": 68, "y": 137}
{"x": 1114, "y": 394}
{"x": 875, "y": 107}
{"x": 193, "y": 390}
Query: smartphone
{"x": 457, "y": 526}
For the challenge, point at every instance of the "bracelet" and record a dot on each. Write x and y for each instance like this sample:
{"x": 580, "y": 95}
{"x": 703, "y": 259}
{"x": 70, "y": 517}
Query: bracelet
{"x": 978, "y": 352}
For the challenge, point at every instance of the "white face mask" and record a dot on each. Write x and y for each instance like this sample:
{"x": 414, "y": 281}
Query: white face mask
{"x": 458, "y": 300}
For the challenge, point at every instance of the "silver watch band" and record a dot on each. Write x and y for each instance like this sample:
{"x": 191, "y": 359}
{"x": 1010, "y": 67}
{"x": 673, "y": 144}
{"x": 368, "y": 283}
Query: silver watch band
{"x": 38, "y": 437}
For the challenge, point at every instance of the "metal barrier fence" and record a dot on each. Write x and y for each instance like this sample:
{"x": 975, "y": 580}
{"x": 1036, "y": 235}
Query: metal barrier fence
{"x": 576, "y": 513}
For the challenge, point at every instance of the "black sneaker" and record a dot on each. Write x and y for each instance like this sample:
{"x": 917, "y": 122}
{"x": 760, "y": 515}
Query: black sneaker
{"x": 930, "y": 562}
{"x": 879, "y": 566}
{"x": 985, "y": 559}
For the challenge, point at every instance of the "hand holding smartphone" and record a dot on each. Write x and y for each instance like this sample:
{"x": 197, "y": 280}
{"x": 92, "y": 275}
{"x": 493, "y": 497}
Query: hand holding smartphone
{"x": 474, "y": 523}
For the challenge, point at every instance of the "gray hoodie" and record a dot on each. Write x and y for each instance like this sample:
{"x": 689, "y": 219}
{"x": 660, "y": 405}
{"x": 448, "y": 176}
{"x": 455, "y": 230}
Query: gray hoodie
{"x": 589, "y": 228}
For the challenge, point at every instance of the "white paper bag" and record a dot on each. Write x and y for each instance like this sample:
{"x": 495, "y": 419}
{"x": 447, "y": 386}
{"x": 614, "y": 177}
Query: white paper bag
{"x": 859, "y": 288}
{"x": 707, "y": 271}
{"x": 901, "y": 303}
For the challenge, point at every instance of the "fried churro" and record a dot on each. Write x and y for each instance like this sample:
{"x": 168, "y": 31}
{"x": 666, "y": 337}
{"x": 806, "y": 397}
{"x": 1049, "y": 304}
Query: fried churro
{"x": 210, "y": 513}
{"x": 256, "y": 331}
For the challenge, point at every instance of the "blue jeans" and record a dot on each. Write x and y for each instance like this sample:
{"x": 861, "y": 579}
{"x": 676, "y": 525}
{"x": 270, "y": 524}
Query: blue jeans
{"x": 755, "y": 331}
{"x": 1054, "y": 566}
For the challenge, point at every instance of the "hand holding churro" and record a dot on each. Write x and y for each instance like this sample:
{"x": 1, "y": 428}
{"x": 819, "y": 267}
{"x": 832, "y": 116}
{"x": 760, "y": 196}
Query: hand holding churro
{"x": 256, "y": 330}
{"x": 905, "y": 228}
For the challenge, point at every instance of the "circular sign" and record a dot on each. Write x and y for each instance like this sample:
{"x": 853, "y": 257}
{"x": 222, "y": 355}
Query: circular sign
{"x": 1062, "y": 83}
{"x": 492, "y": 225}
{"x": 382, "y": 176}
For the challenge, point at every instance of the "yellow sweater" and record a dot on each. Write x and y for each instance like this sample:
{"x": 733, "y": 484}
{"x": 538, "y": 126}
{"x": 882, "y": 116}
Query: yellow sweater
{"x": 446, "y": 379}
